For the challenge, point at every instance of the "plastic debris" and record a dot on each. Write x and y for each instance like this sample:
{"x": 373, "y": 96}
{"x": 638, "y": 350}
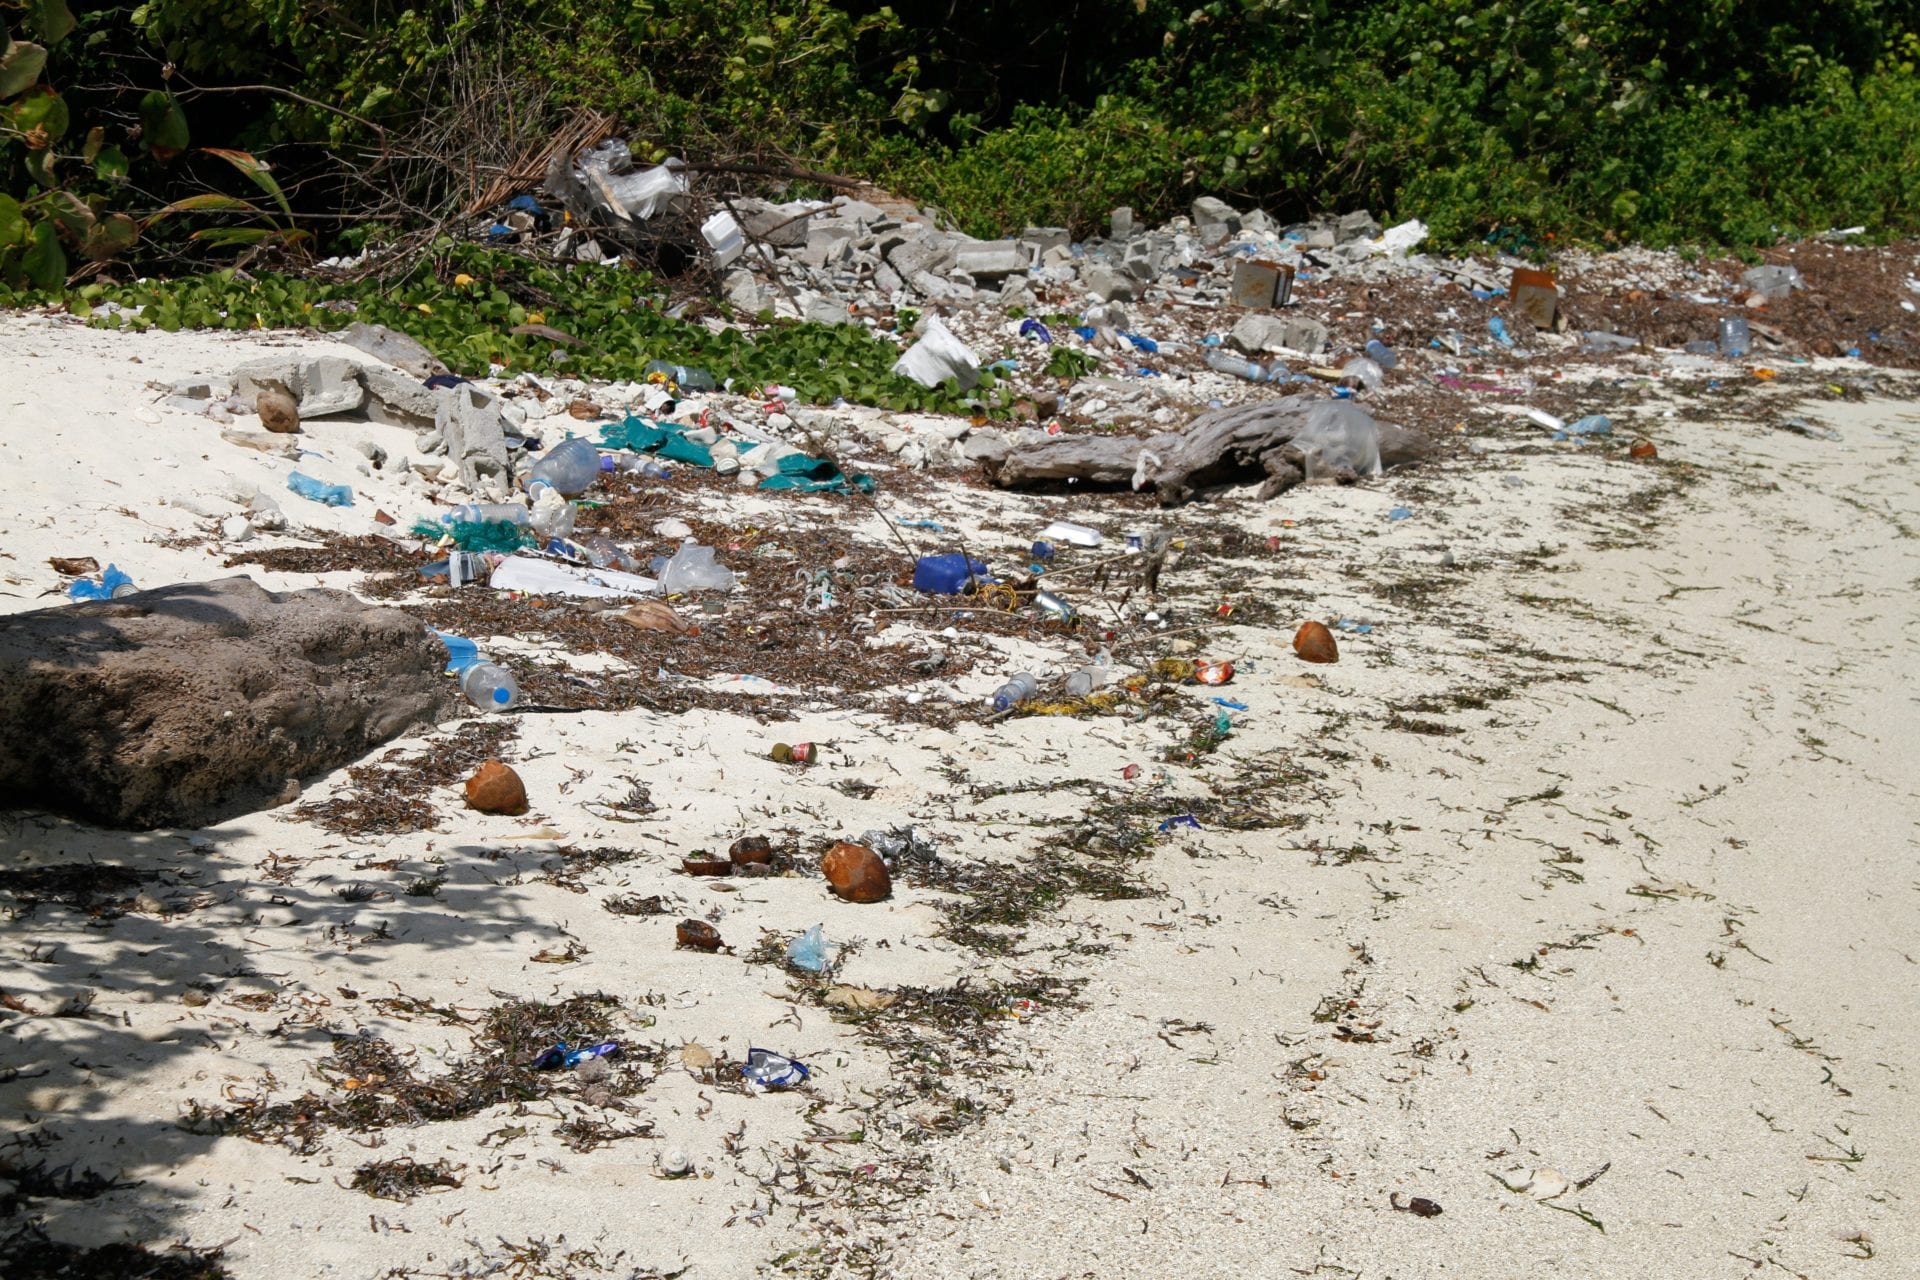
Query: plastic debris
{"x": 939, "y": 356}
{"x": 765, "y": 1069}
{"x": 561, "y": 1058}
{"x": 332, "y": 495}
{"x": 112, "y": 583}
{"x": 809, "y": 951}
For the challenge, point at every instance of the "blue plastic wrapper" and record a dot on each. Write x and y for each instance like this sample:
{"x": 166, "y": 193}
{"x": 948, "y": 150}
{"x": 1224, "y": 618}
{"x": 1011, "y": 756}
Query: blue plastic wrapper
{"x": 1034, "y": 329}
{"x": 110, "y": 581}
{"x": 561, "y": 1058}
{"x": 766, "y": 1069}
{"x": 1183, "y": 820}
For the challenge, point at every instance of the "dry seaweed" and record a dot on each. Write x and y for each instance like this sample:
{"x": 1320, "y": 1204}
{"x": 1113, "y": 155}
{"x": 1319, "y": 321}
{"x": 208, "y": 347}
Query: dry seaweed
{"x": 404, "y": 1178}
{"x": 391, "y": 795}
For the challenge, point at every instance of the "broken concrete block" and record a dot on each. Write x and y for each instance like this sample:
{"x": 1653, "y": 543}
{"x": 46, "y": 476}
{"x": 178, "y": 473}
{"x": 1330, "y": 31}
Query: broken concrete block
{"x": 1309, "y": 337}
{"x": 472, "y": 423}
{"x": 991, "y": 259}
{"x": 1257, "y": 334}
{"x": 826, "y": 311}
{"x": 743, "y": 292}
{"x": 1209, "y": 211}
{"x": 858, "y": 210}
{"x": 1041, "y": 239}
{"x": 928, "y": 253}
{"x": 328, "y": 386}
{"x": 1120, "y": 223}
{"x": 1258, "y": 223}
{"x": 986, "y": 446}
{"x": 397, "y": 399}
{"x": 1105, "y": 283}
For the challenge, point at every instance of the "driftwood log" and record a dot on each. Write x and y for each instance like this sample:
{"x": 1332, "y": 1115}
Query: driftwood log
{"x": 1219, "y": 447}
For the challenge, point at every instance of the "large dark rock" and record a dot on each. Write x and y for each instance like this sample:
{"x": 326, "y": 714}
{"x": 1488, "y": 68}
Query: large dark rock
{"x": 189, "y": 704}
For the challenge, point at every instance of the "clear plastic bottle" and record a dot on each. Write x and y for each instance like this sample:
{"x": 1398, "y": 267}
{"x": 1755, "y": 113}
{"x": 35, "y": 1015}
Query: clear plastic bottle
{"x": 1015, "y": 691}
{"x": 489, "y": 686}
{"x": 1735, "y": 338}
{"x": 486, "y": 512}
{"x": 1221, "y": 361}
{"x": 1381, "y": 354}
{"x": 686, "y": 377}
{"x": 569, "y": 468}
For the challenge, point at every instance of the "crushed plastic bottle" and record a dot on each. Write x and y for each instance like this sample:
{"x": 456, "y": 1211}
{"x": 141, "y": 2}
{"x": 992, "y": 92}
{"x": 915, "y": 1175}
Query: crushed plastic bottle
{"x": 809, "y": 951}
{"x": 569, "y": 468}
{"x": 459, "y": 568}
{"x": 693, "y": 568}
{"x": 489, "y": 686}
{"x": 1381, "y": 354}
{"x": 1015, "y": 691}
{"x": 332, "y": 495}
{"x": 1594, "y": 424}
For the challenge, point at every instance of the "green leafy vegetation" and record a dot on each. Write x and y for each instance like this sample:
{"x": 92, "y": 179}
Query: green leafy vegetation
{"x": 465, "y": 302}
{"x": 1536, "y": 121}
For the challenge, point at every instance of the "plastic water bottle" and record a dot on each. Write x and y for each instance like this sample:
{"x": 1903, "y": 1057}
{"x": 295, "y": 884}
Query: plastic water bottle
{"x": 686, "y": 377}
{"x": 569, "y": 468}
{"x": 1015, "y": 691}
{"x": 1735, "y": 339}
{"x": 1381, "y": 354}
{"x": 489, "y": 686}
{"x": 459, "y": 568}
{"x": 486, "y": 513}
{"x": 1221, "y": 361}
{"x": 332, "y": 495}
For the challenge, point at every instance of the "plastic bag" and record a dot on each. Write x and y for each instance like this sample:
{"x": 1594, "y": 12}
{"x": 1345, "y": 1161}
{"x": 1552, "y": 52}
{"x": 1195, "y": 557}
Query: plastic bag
{"x": 809, "y": 951}
{"x": 650, "y": 191}
{"x": 693, "y": 569}
{"x": 939, "y": 356}
{"x": 1339, "y": 436}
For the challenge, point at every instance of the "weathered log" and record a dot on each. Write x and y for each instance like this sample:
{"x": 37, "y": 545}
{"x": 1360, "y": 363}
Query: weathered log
{"x": 1221, "y": 446}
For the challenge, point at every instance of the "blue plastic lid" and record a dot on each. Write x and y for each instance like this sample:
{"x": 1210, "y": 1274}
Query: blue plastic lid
{"x": 502, "y": 695}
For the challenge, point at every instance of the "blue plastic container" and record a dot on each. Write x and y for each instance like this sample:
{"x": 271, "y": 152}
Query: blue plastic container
{"x": 947, "y": 575}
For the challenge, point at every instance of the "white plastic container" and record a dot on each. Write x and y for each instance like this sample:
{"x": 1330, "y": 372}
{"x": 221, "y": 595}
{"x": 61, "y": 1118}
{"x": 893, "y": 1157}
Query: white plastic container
{"x": 724, "y": 236}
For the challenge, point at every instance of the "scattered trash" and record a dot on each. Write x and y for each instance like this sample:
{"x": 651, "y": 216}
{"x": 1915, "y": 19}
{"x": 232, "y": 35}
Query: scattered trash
{"x": 1535, "y": 295}
{"x": 535, "y": 576}
{"x": 1643, "y": 450}
{"x": 765, "y": 1069}
{"x": 856, "y": 872}
{"x": 657, "y": 615}
{"x": 693, "y": 569}
{"x": 1075, "y": 535}
{"x": 1339, "y": 438}
{"x": 703, "y": 865}
{"x": 1035, "y": 330}
{"x": 1212, "y": 673}
{"x": 1230, "y": 704}
{"x": 496, "y": 788}
{"x": 569, "y": 468}
{"x": 1594, "y": 424}
{"x": 792, "y": 753}
{"x": 1015, "y": 691}
{"x": 947, "y": 575}
{"x": 73, "y": 566}
{"x": 561, "y": 1058}
{"x": 1314, "y": 643}
{"x": 332, "y": 495}
{"x": 809, "y": 951}
{"x": 1735, "y": 337}
{"x": 1179, "y": 821}
{"x": 1400, "y": 513}
{"x": 1802, "y": 427}
{"x": 112, "y": 583}
{"x": 1055, "y": 606}
{"x": 489, "y": 686}
{"x": 938, "y": 356}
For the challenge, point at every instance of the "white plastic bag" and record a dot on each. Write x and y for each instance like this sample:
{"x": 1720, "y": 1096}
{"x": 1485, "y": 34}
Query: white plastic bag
{"x": 1339, "y": 436}
{"x": 1398, "y": 242}
{"x": 549, "y": 577}
{"x": 693, "y": 569}
{"x": 939, "y": 356}
{"x": 650, "y": 191}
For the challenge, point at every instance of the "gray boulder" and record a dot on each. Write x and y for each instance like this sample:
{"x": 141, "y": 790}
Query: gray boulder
{"x": 190, "y": 704}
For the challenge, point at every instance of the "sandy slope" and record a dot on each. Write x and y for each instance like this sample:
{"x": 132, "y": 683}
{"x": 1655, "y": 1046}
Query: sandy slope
{"x": 1595, "y": 853}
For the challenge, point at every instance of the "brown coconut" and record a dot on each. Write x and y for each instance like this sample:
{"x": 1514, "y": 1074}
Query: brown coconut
{"x": 494, "y": 788}
{"x": 1314, "y": 643}
{"x": 856, "y": 872}
{"x": 279, "y": 411}
{"x": 1643, "y": 449}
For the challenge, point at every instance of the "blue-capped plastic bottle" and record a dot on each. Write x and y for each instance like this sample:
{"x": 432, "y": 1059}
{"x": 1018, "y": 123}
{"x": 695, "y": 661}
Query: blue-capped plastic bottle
{"x": 1015, "y": 691}
{"x": 1222, "y": 361}
{"x": 489, "y": 686}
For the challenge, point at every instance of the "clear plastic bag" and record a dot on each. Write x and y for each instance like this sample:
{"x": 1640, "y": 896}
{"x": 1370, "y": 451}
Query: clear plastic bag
{"x": 693, "y": 569}
{"x": 1339, "y": 436}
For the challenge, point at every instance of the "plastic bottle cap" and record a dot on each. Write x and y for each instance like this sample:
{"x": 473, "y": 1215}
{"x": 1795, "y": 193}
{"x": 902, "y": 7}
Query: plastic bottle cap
{"x": 501, "y": 696}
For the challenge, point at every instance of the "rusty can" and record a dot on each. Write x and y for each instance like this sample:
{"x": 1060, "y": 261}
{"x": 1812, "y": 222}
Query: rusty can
{"x": 792, "y": 753}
